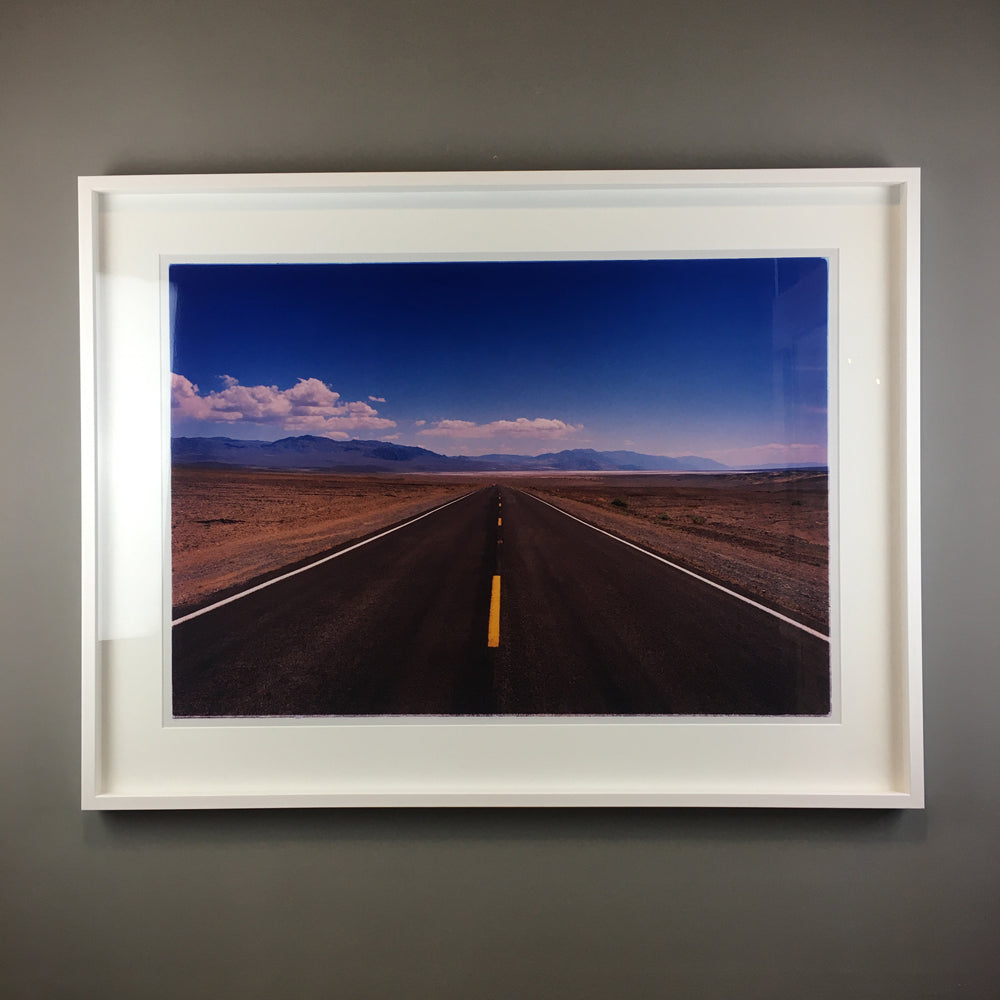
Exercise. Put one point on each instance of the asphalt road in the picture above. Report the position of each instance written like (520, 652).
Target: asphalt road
(495, 604)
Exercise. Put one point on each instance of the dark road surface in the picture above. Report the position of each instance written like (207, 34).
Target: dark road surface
(587, 625)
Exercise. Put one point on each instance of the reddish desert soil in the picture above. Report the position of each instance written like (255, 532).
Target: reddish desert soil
(763, 533)
(230, 526)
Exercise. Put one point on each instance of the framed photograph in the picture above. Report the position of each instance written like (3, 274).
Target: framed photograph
(533, 488)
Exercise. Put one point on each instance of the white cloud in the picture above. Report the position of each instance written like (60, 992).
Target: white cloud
(522, 427)
(308, 407)
(377, 399)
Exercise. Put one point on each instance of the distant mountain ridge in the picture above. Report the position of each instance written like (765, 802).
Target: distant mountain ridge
(310, 452)
(589, 460)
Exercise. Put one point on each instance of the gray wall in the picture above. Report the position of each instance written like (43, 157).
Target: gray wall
(531, 903)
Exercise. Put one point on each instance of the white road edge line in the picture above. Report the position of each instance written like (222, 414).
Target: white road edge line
(711, 583)
(319, 562)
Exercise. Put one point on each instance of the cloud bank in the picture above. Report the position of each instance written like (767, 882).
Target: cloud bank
(308, 407)
(772, 454)
(522, 427)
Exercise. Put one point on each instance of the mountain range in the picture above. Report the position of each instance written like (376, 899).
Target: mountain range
(310, 452)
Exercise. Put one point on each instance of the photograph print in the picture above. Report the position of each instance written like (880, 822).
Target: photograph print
(496, 488)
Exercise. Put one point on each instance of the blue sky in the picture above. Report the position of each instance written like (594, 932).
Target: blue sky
(721, 358)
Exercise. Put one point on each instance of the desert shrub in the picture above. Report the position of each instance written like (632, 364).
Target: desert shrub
(665, 517)
(698, 519)
(619, 502)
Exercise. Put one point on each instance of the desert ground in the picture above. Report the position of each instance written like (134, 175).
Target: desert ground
(230, 526)
(764, 534)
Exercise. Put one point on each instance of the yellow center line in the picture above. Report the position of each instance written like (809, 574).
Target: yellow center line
(493, 633)
(499, 521)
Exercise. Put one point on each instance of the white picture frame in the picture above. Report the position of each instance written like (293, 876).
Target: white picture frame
(866, 754)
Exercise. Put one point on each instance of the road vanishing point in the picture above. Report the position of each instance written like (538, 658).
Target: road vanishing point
(497, 603)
